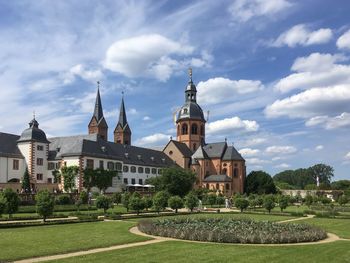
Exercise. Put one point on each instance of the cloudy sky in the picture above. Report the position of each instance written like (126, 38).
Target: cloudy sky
(274, 74)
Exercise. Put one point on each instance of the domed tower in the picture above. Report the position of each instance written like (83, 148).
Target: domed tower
(34, 146)
(190, 122)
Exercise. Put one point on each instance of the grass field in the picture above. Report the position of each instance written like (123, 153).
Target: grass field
(340, 227)
(16, 243)
(177, 251)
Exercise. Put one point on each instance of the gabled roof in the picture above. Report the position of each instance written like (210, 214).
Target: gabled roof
(182, 147)
(215, 150)
(200, 154)
(217, 178)
(232, 154)
(8, 145)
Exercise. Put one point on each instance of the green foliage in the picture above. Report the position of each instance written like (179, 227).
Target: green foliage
(323, 172)
(232, 230)
(44, 204)
(136, 203)
(341, 185)
(283, 202)
(284, 185)
(56, 176)
(100, 178)
(174, 180)
(211, 199)
(325, 200)
(2, 204)
(103, 202)
(63, 199)
(160, 200)
(176, 202)
(84, 197)
(125, 200)
(241, 203)
(191, 201)
(26, 181)
(309, 200)
(343, 200)
(117, 198)
(220, 200)
(310, 187)
(269, 203)
(259, 182)
(69, 174)
(148, 202)
(11, 200)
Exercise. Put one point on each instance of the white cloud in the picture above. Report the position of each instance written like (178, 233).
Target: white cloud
(280, 149)
(220, 89)
(249, 152)
(301, 35)
(157, 139)
(256, 161)
(329, 123)
(282, 166)
(315, 70)
(312, 102)
(319, 147)
(149, 56)
(80, 71)
(347, 156)
(343, 41)
(146, 118)
(244, 10)
(253, 142)
(227, 125)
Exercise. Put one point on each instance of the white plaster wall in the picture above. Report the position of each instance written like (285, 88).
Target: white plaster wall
(40, 154)
(129, 175)
(6, 169)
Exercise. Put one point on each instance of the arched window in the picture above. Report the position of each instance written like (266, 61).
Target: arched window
(178, 130)
(217, 187)
(235, 172)
(184, 128)
(224, 171)
(194, 146)
(227, 186)
(194, 129)
(202, 130)
(207, 186)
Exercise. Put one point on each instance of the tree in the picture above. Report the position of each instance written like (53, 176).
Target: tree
(88, 179)
(12, 201)
(125, 201)
(220, 200)
(283, 202)
(2, 204)
(84, 197)
(174, 180)
(343, 200)
(211, 199)
(148, 202)
(160, 200)
(44, 204)
(259, 182)
(117, 198)
(103, 179)
(325, 200)
(323, 172)
(69, 174)
(341, 185)
(241, 204)
(103, 202)
(136, 203)
(309, 200)
(269, 203)
(56, 176)
(310, 187)
(26, 181)
(176, 202)
(297, 179)
(191, 201)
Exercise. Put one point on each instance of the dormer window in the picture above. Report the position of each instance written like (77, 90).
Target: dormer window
(103, 149)
(139, 157)
(126, 155)
(152, 159)
(163, 160)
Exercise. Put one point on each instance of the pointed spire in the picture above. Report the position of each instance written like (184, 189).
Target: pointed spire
(122, 114)
(98, 112)
(190, 74)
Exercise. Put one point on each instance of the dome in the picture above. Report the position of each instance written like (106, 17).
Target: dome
(33, 133)
(191, 110)
(191, 86)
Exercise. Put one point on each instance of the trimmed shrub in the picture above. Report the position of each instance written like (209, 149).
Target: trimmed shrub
(232, 230)
(63, 200)
(176, 202)
(241, 204)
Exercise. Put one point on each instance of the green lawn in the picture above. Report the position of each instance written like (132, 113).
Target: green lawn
(16, 243)
(177, 251)
(340, 227)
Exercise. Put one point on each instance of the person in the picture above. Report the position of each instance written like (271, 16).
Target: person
(200, 204)
(89, 198)
(226, 203)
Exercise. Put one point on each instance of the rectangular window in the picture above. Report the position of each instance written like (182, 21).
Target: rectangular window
(140, 181)
(160, 171)
(140, 170)
(51, 166)
(133, 169)
(39, 177)
(57, 165)
(118, 167)
(154, 170)
(40, 147)
(133, 180)
(49, 180)
(15, 165)
(40, 161)
(126, 181)
(90, 164)
(110, 166)
(101, 165)
(147, 170)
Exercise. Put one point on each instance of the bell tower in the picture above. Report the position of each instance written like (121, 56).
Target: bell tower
(98, 123)
(190, 124)
(122, 132)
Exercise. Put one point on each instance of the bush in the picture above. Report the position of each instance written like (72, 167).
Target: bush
(125, 201)
(241, 204)
(191, 201)
(117, 198)
(160, 200)
(148, 202)
(103, 202)
(283, 202)
(63, 200)
(44, 204)
(232, 230)
(269, 203)
(176, 202)
(136, 203)
(84, 197)
(220, 200)
(2, 204)
(11, 201)
(211, 199)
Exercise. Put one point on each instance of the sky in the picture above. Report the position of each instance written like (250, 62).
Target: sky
(273, 74)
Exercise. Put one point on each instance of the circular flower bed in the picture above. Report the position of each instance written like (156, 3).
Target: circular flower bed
(232, 230)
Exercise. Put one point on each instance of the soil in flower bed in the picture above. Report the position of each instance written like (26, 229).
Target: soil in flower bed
(222, 230)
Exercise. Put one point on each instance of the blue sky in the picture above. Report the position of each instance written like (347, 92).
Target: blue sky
(274, 74)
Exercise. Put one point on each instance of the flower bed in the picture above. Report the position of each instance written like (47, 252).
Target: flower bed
(232, 230)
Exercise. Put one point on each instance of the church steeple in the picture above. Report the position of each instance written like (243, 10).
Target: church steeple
(98, 123)
(122, 132)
